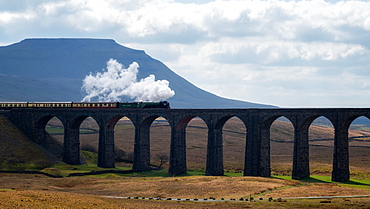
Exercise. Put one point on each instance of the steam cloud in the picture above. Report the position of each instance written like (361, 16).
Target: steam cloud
(115, 82)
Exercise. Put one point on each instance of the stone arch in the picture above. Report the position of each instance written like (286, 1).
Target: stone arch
(120, 141)
(349, 120)
(111, 123)
(71, 150)
(301, 158)
(321, 147)
(54, 137)
(142, 143)
(267, 122)
(184, 122)
(160, 142)
(233, 157)
(76, 122)
(147, 121)
(215, 162)
(265, 146)
(179, 145)
(281, 146)
(39, 130)
(221, 122)
(355, 139)
(307, 122)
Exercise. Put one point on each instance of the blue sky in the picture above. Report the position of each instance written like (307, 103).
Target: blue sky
(286, 53)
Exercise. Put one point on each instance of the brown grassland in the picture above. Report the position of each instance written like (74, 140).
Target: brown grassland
(38, 191)
(35, 191)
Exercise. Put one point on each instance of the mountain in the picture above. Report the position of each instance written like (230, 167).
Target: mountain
(53, 70)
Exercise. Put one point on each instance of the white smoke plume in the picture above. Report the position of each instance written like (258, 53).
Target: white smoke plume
(115, 81)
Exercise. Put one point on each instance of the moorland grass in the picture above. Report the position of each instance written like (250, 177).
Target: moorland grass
(60, 130)
(354, 183)
(54, 130)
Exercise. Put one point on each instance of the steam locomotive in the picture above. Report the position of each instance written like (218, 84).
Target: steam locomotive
(11, 105)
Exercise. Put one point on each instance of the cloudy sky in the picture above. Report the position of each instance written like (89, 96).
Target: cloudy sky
(287, 53)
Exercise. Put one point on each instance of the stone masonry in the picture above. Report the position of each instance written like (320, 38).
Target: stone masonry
(257, 123)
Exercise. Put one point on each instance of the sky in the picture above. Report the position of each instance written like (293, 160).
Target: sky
(311, 53)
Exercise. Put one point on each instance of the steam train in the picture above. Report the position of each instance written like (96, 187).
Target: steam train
(11, 105)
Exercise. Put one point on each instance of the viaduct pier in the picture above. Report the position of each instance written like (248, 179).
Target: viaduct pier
(257, 126)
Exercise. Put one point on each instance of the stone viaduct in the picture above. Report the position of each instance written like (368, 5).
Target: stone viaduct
(256, 121)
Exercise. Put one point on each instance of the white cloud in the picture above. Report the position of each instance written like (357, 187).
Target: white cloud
(263, 50)
(271, 51)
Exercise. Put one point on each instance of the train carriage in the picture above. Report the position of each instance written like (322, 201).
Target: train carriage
(48, 104)
(94, 104)
(11, 105)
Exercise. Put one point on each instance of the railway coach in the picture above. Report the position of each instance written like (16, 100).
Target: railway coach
(12, 105)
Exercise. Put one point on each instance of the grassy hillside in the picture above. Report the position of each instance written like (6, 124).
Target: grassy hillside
(17, 151)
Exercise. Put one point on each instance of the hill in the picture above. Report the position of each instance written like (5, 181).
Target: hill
(16, 149)
(53, 70)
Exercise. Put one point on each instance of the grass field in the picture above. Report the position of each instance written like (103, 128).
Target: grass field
(35, 191)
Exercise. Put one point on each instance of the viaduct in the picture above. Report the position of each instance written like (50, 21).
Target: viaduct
(257, 122)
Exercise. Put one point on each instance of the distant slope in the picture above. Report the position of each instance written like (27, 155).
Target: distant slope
(15, 88)
(53, 70)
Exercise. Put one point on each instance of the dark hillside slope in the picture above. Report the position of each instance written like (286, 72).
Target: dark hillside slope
(16, 148)
(62, 64)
